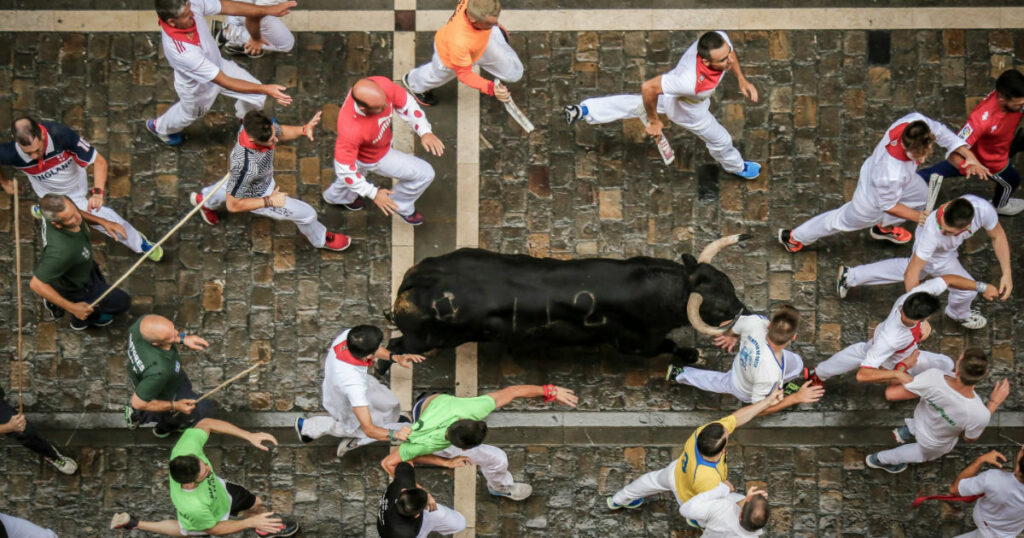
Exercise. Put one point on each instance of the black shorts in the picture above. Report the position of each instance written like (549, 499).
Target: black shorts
(241, 498)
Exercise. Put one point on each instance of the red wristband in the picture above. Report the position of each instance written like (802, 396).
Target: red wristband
(95, 190)
(901, 367)
(550, 392)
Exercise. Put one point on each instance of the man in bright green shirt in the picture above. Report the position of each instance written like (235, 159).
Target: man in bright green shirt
(67, 277)
(203, 500)
(449, 432)
(163, 392)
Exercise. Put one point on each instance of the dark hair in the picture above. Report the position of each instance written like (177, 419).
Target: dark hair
(51, 204)
(184, 469)
(755, 513)
(363, 340)
(1010, 84)
(711, 440)
(973, 366)
(466, 434)
(258, 125)
(25, 130)
(920, 305)
(169, 9)
(785, 322)
(707, 43)
(411, 502)
(958, 213)
(917, 136)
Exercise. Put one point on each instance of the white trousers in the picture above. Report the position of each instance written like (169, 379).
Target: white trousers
(384, 411)
(976, 533)
(892, 271)
(279, 38)
(499, 59)
(694, 117)
(913, 453)
(414, 175)
(297, 211)
(649, 484)
(444, 520)
(20, 528)
(133, 239)
(849, 359)
(725, 382)
(850, 218)
(195, 101)
(492, 461)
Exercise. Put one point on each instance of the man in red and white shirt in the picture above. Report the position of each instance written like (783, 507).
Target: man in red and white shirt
(683, 94)
(364, 145)
(989, 131)
(200, 73)
(888, 191)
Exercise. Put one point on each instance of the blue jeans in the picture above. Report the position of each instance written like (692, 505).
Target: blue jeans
(1007, 180)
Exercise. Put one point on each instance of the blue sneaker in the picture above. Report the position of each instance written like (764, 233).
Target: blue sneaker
(902, 435)
(693, 523)
(750, 170)
(872, 461)
(170, 140)
(155, 254)
(37, 213)
(635, 503)
(298, 430)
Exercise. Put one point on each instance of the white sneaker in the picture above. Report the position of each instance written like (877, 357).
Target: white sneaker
(974, 321)
(516, 491)
(1012, 207)
(346, 444)
(63, 463)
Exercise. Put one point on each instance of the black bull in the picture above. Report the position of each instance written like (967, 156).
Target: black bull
(473, 295)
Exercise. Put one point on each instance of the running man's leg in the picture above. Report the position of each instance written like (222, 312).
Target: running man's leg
(273, 30)
(413, 176)
(303, 215)
(492, 461)
(430, 75)
(709, 380)
(500, 59)
(193, 103)
(649, 484)
(703, 124)
(133, 239)
(843, 219)
(882, 272)
(915, 196)
(444, 521)
(847, 360)
(612, 107)
(911, 453)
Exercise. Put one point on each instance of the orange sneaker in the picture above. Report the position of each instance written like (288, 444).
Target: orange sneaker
(895, 234)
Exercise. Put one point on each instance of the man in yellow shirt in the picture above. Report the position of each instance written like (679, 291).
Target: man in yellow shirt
(471, 36)
(701, 467)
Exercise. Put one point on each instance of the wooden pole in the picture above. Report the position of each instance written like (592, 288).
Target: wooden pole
(17, 287)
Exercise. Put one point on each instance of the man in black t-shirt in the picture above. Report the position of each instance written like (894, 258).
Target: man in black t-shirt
(408, 511)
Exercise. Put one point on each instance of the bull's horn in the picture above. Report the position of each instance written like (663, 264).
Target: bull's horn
(709, 251)
(693, 313)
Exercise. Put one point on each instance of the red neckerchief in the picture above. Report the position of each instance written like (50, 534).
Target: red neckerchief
(707, 78)
(342, 353)
(938, 218)
(915, 331)
(188, 35)
(895, 146)
(948, 498)
(246, 142)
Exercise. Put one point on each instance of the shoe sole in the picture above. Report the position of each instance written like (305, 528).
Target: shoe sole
(165, 139)
(890, 239)
(405, 84)
(507, 496)
(79, 327)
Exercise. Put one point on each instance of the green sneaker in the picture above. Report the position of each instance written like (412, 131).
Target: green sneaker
(155, 254)
(130, 419)
(37, 213)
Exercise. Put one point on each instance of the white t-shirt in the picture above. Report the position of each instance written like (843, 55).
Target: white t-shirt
(893, 341)
(718, 512)
(756, 369)
(194, 65)
(930, 243)
(943, 414)
(1000, 513)
(345, 385)
(888, 171)
(690, 81)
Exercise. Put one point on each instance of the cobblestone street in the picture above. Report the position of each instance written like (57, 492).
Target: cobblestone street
(255, 289)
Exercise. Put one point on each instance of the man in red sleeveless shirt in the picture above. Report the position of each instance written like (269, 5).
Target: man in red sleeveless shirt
(364, 145)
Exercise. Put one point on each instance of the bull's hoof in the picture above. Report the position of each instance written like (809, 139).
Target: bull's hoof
(690, 356)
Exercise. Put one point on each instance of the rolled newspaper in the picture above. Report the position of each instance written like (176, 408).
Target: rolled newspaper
(664, 147)
(513, 110)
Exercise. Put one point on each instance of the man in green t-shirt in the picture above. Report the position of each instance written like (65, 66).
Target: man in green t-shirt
(204, 502)
(163, 392)
(449, 432)
(66, 276)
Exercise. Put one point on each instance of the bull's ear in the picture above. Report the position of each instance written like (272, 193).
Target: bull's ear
(689, 262)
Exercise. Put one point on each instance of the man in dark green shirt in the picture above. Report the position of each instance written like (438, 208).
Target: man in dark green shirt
(163, 392)
(66, 276)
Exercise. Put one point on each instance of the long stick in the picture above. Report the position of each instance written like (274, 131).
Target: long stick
(17, 285)
(934, 184)
(1014, 441)
(515, 112)
(228, 382)
(145, 255)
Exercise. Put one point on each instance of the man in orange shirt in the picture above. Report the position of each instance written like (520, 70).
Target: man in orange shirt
(472, 36)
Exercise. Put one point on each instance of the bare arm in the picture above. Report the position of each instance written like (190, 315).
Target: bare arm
(650, 90)
(744, 415)
(879, 375)
(898, 393)
(746, 87)
(807, 394)
(242, 9)
(99, 172)
(162, 406)
(376, 432)
(1002, 248)
(912, 276)
(993, 457)
(507, 394)
(212, 425)
(904, 212)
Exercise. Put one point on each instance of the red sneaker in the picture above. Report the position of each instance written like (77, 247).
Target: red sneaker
(815, 380)
(787, 241)
(208, 215)
(895, 234)
(415, 219)
(337, 242)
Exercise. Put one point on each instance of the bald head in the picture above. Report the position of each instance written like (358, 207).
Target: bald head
(158, 330)
(369, 96)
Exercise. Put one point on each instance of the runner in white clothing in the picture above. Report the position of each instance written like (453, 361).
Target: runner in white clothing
(762, 364)
(200, 73)
(1000, 512)
(892, 352)
(889, 190)
(935, 254)
(948, 407)
(362, 410)
(683, 94)
(723, 513)
(253, 36)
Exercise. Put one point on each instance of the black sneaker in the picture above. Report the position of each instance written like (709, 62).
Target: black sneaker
(673, 372)
(426, 98)
(842, 287)
(787, 241)
(78, 325)
(55, 311)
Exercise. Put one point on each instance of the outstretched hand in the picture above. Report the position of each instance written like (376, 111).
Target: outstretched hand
(258, 438)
